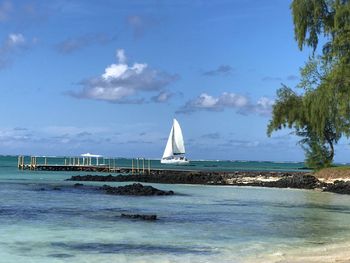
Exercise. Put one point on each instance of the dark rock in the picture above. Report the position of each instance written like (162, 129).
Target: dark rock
(183, 177)
(134, 189)
(140, 216)
(77, 185)
(302, 181)
(339, 187)
(56, 188)
(299, 181)
(170, 177)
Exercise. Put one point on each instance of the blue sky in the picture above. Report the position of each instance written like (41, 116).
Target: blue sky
(107, 77)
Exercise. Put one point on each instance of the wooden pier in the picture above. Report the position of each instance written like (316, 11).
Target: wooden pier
(75, 164)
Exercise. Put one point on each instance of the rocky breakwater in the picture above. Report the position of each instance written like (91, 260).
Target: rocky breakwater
(134, 189)
(297, 180)
(338, 186)
(193, 177)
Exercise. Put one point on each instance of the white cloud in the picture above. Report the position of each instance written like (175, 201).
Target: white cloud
(233, 100)
(13, 44)
(122, 70)
(115, 71)
(205, 101)
(122, 83)
(240, 103)
(163, 96)
(16, 39)
(121, 56)
(264, 106)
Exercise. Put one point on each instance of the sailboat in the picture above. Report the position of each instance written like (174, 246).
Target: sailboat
(175, 148)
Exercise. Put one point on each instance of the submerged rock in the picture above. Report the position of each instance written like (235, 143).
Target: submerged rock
(140, 216)
(134, 189)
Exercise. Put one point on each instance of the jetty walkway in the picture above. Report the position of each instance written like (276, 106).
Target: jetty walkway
(76, 164)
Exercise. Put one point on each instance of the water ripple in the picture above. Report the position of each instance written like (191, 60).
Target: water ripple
(130, 248)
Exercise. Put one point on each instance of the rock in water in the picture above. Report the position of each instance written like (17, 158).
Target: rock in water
(139, 216)
(135, 189)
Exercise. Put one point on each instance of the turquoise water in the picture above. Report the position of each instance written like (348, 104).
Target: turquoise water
(199, 224)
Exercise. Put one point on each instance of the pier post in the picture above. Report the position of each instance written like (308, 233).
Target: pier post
(132, 166)
(19, 161)
(22, 162)
(143, 165)
(32, 163)
(45, 160)
(138, 169)
(149, 166)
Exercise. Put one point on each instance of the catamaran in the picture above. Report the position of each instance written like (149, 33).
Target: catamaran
(175, 148)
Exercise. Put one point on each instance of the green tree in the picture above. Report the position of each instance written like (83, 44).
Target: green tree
(292, 111)
(321, 113)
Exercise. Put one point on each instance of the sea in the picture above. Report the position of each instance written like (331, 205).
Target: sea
(43, 218)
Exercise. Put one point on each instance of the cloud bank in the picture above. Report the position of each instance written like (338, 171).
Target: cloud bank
(241, 104)
(123, 83)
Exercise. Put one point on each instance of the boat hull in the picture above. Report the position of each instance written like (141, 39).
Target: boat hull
(174, 161)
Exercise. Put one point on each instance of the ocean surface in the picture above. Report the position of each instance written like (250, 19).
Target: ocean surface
(43, 218)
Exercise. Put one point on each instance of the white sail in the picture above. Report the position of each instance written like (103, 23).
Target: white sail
(178, 140)
(168, 151)
(175, 147)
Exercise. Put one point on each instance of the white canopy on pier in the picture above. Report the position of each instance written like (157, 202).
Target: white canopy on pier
(90, 155)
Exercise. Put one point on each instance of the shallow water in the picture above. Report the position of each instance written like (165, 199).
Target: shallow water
(45, 219)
